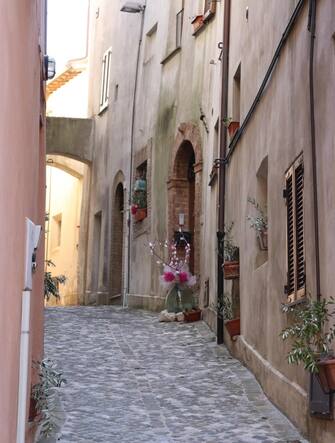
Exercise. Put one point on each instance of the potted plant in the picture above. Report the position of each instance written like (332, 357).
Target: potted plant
(225, 309)
(312, 332)
(139, 200)
(231, 125)
(259, 222)
(51, 283)
(231, 266)
(48, 412)
(176, 277)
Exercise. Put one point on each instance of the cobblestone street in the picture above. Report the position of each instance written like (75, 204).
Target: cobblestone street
(132, 379)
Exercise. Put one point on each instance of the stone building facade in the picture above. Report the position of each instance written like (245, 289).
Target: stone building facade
(155, 94)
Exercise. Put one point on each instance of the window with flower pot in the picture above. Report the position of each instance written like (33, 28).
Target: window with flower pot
(294, 196)
(139, 199)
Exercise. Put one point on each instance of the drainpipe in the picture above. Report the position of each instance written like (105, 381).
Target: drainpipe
(222, 172)
(311, 28)
(125, 295)
(24, 368)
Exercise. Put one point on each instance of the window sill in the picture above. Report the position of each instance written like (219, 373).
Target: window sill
(171, 55)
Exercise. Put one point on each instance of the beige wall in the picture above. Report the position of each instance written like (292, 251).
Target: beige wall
(21, 189)
(63, 204)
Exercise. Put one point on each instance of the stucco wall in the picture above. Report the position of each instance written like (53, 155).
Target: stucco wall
(279, 129)
(21, 190)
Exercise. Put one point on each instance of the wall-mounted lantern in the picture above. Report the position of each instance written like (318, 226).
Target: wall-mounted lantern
(49, 67)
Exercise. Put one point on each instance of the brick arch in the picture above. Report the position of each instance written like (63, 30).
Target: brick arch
(118, 204)
(184, 192)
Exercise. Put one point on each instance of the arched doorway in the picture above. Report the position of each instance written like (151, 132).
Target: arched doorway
(116, 267)
(184, 189)
(185, 197)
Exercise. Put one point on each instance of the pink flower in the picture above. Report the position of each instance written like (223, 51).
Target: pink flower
(168, 276)
(134, 209)
(183, 277)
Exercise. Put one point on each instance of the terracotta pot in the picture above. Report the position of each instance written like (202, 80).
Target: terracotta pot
(326, 375)
(231, 270)
(233, 327)
(32, 409)
(140, 214)
(197, 22)
(194, 315)
(232, 128)
(262, 237)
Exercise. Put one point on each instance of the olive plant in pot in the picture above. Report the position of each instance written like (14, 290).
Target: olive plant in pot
(312, 332)
(231, 266)
(225, 310)
(259, 222)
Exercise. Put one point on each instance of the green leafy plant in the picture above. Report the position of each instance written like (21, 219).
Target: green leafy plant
(227, 121)
(224, 307)
(310, 331)
(46, 397)
(259, 222)
(230, 251)
(51, 283)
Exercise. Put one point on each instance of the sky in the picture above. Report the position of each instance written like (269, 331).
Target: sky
(67, 26)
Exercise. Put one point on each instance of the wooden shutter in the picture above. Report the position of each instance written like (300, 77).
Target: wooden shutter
(295, 288)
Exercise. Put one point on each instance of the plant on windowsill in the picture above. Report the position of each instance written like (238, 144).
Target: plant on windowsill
(51, 283)
(225, 311)
(47, 413)
(259, 223)
(231, 265)
(176, 277)
(312, 332)
(139, 200)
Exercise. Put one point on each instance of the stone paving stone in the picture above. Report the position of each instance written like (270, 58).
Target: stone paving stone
(131, 379)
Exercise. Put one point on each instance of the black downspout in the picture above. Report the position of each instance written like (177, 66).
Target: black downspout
(222, 173)
(311, 28)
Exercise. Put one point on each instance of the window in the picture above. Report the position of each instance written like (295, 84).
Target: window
(294, 194)
(237, 95)
(57, 231)
(105, 75)
(179, 27)
(209, 9)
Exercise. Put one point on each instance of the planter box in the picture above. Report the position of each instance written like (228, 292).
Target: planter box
(140, 214)
(326, 375)
(233, 327)
(194, 315)
(231, 270)
(262, 237)
(197, 22)
(232, 128)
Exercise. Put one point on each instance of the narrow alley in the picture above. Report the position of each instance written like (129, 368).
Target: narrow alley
(133, 379)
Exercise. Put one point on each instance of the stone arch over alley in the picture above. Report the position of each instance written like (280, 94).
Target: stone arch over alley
(118, 231)
(184, 187)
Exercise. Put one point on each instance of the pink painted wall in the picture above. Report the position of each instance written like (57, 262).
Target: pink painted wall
(22, 171)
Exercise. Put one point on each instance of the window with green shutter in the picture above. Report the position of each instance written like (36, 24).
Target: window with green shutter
(294, 194)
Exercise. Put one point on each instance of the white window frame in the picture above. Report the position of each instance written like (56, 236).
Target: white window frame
(105, 78)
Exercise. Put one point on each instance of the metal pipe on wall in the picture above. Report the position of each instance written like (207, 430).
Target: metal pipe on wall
(222, 171)
(126, 292)
(311, 28)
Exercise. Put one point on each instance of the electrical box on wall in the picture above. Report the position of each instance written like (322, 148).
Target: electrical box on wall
(33, 233)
